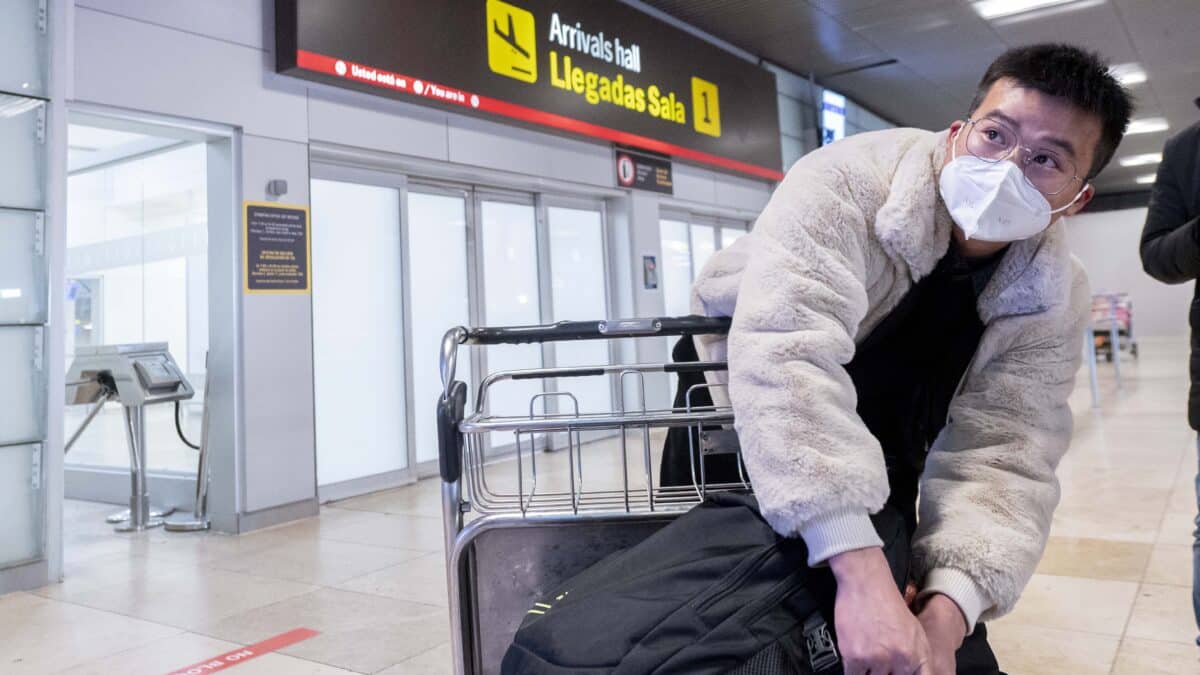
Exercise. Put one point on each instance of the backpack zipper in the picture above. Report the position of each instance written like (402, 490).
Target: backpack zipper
(729, 585)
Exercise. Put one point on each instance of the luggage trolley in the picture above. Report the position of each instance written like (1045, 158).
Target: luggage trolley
(513, 535)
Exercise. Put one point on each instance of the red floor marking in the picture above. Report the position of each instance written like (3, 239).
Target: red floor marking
(246, 653)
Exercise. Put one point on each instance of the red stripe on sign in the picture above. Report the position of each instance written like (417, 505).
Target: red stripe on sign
(357, 72)
(232, 658)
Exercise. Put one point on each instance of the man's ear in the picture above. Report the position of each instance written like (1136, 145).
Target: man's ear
(952, 137)
(1084, 198)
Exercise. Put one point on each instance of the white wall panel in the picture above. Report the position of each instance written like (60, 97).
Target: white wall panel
(362, 122)
(136, 65)
(741, 193)
(694, 184)
(239, 21)
(277, 376)
(1107, 243)
(497, 146)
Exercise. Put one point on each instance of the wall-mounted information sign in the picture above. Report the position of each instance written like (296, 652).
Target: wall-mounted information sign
(277, 248)
(598, 69)
(644, 172)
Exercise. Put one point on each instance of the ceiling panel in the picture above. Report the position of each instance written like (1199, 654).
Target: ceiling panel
(1094, 27)
(1166, 33)
(890, 89)
(839, 7)
(959, 77)
(942, 47)
(740, 21)
(898, 10)
(952, 29)
(794, 34)
(825, 48)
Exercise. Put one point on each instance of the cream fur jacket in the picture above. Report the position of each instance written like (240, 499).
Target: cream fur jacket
(844, 237)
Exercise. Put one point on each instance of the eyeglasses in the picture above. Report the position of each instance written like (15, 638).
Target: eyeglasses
(1047, 170)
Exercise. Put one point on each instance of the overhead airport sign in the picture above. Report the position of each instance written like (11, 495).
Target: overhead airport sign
(598, 69)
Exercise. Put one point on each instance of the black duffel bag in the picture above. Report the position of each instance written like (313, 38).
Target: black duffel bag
(714, 592)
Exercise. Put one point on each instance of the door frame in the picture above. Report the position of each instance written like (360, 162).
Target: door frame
(408, 474)
(110, 484)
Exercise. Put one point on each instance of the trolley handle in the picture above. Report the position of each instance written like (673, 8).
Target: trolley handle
(597, 330)
(571, 330)
(450, 410)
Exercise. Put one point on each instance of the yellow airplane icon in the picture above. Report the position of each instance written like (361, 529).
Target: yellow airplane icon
(512, 41)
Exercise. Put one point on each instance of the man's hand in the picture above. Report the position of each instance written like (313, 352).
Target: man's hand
(876, 632)
(945, 629)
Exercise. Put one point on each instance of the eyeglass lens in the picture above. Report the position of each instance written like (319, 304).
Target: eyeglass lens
(1045, 169)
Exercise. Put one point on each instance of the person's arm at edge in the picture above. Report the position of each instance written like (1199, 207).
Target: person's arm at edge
(1170, 246)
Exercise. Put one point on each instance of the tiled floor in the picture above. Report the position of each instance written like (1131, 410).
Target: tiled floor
(1112, 594)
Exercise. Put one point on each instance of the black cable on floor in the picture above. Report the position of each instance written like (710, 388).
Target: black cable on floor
(179, 430)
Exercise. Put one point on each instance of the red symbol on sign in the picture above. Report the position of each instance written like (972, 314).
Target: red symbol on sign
(625, 170)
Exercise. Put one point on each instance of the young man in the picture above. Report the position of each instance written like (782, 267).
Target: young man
(906, 316)
(1171, 253)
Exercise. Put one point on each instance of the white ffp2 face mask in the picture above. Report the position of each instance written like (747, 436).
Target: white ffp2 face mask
(992, 201)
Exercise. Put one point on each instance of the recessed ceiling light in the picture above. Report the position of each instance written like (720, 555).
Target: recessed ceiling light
(994, 9)
(1141, 160)
(1128, 73)
(1147, 125)
(1145, 179)
(10, 293)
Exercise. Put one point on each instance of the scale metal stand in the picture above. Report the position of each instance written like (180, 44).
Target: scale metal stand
(135, 375)
(198, 519)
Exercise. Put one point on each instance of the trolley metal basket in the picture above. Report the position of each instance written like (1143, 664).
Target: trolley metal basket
(513, 534)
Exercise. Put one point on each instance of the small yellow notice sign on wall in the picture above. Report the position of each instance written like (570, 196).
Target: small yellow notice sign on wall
(276, 241)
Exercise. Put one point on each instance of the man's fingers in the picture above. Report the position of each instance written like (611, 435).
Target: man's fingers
(855, 667)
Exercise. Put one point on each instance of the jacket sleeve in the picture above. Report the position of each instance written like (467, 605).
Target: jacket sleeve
(989, 488)
(817, 471)
(1171, 240)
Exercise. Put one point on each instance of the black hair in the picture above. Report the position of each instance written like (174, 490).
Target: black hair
(1068, 72)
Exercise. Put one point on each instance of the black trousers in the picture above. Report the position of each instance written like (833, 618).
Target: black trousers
(975, 656)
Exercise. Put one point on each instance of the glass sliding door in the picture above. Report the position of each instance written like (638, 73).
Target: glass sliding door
(704, 245)
(730, 234)
(358, 331)
(509, 286)
(427, 256)
(437, 262)
(578, 292)
(687, 244)
(675, 268)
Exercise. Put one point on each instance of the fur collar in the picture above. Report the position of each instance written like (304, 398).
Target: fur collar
(914, 228)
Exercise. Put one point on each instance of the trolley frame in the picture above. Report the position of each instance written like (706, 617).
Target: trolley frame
(522, 542)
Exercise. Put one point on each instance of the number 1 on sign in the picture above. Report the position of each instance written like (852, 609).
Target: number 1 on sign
(706, 102)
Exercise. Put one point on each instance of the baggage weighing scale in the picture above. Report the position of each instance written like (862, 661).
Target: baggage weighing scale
(135, 375)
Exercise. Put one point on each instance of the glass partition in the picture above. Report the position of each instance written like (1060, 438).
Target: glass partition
(24, 47)
(137, 271)
(23, 384)
(22, 268)
(21, 480)
(23, 143)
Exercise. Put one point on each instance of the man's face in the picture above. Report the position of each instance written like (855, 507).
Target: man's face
(1045, 127)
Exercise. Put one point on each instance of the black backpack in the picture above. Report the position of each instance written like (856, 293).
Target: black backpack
(716, 591)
